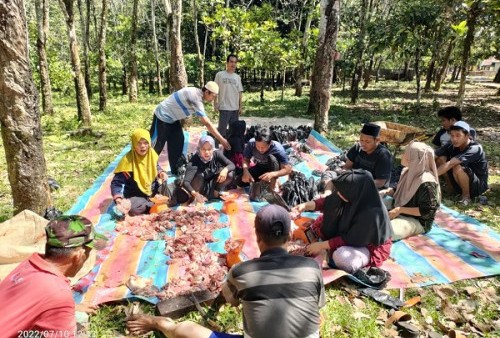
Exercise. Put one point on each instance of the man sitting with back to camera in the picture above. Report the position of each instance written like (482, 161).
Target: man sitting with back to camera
(280, 294)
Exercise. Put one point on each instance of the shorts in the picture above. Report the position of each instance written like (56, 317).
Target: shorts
(216, 334)
(476, 186)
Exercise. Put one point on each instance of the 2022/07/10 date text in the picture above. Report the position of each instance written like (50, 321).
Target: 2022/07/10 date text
(51, 334)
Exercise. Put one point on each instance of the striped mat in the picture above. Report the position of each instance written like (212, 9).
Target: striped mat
(458, 247)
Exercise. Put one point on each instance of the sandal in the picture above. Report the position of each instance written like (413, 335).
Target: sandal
(407, 330)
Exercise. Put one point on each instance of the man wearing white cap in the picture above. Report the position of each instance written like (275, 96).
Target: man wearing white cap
(463, 164)
(166, 126)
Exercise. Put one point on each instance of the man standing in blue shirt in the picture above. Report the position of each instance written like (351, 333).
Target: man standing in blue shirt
(166, 126)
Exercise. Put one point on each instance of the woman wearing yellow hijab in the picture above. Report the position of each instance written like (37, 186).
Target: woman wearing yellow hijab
(137, 173)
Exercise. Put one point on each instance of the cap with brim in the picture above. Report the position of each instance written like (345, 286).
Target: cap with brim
(273, 219)
(73, 231)
(371, 129)
(462, 125)
(213, 87)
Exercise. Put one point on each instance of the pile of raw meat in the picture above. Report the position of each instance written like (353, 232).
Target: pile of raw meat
(198, 268)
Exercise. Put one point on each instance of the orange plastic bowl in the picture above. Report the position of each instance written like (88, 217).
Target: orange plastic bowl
(303, 222)
(158, 208)
(230, 208)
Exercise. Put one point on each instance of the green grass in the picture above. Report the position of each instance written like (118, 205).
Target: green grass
(76, 161)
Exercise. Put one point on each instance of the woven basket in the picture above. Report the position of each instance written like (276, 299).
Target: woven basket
(398, 134)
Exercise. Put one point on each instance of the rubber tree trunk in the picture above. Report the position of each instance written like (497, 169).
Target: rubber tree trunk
(358, 68)
(472, 15)
(201, 60)
(132, 78)
(155, 46)
(20, 114)
(368, 72)
(497, 77)
(300, 70)
(430, 69)
(42, 23)
(178, 75)
(444, 68)
(82, 100)
(418, 52)
(84, 23)
(103, 95)
(319, 102)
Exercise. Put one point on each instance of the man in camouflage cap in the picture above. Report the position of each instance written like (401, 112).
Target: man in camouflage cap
(36, 297)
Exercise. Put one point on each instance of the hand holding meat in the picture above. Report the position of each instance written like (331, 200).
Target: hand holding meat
(315, 249)
(267, 176)
(123, 205)
(222, 175)
(247, 177)
(199, 198)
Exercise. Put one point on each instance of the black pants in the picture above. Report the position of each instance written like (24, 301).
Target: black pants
(139, 206)
(204, 187)
(258, 170)
(172, 134)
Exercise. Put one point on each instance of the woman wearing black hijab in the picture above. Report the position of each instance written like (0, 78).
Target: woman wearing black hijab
(355, 225)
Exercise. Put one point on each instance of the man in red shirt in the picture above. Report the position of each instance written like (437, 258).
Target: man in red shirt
(36, 298)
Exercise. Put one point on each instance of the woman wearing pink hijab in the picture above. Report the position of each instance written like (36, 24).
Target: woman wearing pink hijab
(417, 195)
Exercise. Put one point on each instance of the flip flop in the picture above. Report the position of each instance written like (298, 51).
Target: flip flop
(407, 330)
(398, 316)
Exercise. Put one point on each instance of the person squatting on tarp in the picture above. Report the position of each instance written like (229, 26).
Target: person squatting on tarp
(463, 164)
(355, 225)
(166, 126)
(137, 175)
(281, 294)
(269, 157)
(207, 173)
(417, 195)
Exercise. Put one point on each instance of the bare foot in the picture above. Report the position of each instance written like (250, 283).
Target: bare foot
(140, 324)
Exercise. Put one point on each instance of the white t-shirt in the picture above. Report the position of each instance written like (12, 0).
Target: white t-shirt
(180, 105)
(229, 90)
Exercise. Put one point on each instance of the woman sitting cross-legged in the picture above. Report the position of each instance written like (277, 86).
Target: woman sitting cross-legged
(417, 195)
(355, 226)
(136, 175)
(207, 173)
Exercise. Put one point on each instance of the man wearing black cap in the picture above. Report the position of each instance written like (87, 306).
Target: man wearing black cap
(36, 296)
(281, 294)
(370, 155)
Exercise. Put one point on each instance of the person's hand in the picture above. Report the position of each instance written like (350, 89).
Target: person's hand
(297, 210)
(315, 249)
(163, 176)
(240, 111)
(247, 177)
(222, 175)
(87, 308)
(267, 176)
(383, 192)
(394, 213)
(199, 198)
(225, 144)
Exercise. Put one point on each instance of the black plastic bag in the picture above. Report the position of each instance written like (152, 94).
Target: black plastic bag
(52, 213)
(373, 276)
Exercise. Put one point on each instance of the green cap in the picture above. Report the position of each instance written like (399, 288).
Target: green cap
(73, 231)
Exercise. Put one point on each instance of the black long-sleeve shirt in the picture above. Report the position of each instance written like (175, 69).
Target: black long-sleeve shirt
(209, 170)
